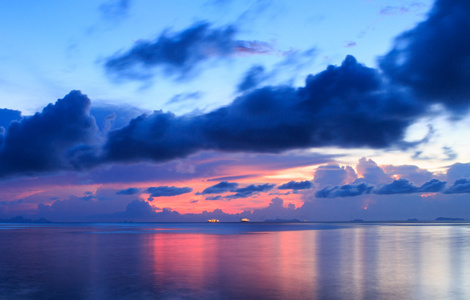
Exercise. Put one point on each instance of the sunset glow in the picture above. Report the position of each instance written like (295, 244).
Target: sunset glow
(138, 111)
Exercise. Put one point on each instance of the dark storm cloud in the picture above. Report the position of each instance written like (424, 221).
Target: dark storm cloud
(159, 137)
(347, 106)
(7, 116)
(54, 139)
(253, 77)
(250, 190)
(180, 53)
(220, 188)
(460, 186)
(129, 191)
(343, 106)
(296, 185)
(433, 58)
(167, 191)
(176, 53)
(348, 190)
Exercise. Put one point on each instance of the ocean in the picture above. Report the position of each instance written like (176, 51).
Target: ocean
(235, 261)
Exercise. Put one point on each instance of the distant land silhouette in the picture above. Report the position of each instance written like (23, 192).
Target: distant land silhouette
(21, 219)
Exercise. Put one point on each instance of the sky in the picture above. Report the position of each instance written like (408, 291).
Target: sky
(125, 110)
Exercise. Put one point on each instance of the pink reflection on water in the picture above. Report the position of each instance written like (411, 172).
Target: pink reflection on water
(256, 264)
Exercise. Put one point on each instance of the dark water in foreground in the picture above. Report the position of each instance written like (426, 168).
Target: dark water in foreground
(235, 261)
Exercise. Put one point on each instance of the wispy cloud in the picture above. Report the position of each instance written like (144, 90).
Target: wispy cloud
(180, 53)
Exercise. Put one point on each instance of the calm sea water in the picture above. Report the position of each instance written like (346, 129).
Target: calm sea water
(235, 261)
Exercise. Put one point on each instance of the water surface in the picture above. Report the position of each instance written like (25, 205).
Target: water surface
(235, 261)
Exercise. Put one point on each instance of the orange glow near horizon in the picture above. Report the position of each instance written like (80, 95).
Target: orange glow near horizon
(256, 175)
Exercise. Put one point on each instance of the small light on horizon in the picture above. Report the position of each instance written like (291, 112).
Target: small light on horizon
(427, 195)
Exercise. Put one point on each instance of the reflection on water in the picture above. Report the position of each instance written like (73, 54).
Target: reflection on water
(235, 261)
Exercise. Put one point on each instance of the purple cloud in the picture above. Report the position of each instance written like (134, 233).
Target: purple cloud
(129, 191)
(460, 186)
(349, 190)
(167, 191)
(296, 185)
(250, 190)
(220, 188)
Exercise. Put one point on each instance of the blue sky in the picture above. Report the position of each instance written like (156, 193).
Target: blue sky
(362, 105)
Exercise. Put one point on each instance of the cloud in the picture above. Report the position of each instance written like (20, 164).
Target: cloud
(342, 106)
(167, 191)
(458, 171)
(296, 185)
(413, 173)
(394, 10)
(432, 186)
(214, 198)
(253, 77)
(404, 186)
(7, 116)
(184, 97)
(331, 174)
(460, 186)
(60, 137)
(84, 208)
(137, 209)
(253, 47)
(220, 188)
(371, 172)
(129, 191)
(276, 210)
(420, 60)
(400, 186)
(345, 106)
(250, 190)
(350, 44)
(111, 117)
(449, 153)
(349, 190)
(115, 9)
(399, 10)
(176, 53)
(236, 177)
(181, 52)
